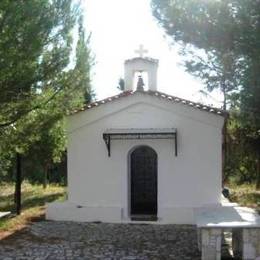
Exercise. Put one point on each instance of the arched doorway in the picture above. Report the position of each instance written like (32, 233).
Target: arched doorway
(143, 169)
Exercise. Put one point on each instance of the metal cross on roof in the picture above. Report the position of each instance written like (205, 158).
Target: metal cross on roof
(141, 51)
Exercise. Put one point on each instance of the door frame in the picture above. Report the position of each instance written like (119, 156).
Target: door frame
(129, 176)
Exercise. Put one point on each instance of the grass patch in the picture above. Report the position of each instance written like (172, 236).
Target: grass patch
(245, 195)
(34, 198)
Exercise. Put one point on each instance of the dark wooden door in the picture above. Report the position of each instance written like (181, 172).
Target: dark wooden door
(143, 181)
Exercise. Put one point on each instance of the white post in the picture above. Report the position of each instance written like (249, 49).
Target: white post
(251, 244)
(211, 243)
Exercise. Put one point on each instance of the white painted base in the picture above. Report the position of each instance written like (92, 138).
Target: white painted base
(68, 211)
(176, 215)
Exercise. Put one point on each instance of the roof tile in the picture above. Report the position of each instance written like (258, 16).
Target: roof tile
(157, 94)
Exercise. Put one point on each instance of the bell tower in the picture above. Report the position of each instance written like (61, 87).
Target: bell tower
(141, 64)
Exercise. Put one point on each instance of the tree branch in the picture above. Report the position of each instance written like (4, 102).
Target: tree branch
(18, 117)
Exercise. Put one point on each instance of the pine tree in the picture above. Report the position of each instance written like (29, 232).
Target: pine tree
(38, 85)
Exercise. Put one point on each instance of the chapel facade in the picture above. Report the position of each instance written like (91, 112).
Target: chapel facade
(142, 155)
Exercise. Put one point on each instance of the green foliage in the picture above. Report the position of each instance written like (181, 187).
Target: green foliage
(84, 61)
(38, 85)
(205, 31)
(241, 167)
(246, 195)
(34, 50)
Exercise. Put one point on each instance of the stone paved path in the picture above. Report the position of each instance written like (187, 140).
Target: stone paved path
(67, 240)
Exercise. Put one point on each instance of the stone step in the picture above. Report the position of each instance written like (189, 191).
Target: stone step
(143, 217)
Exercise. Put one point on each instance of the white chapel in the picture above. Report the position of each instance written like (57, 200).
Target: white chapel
(142, 155)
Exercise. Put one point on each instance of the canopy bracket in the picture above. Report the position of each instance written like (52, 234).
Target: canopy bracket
(137, 134)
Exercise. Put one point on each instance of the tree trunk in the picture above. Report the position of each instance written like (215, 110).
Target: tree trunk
(258, 174)
(18, 183)
(224, 151)
(45, 180)
(224, 134)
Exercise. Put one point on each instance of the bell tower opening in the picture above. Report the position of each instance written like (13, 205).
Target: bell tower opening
(140, 81)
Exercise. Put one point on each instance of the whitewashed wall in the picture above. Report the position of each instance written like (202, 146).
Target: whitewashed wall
(100, 183)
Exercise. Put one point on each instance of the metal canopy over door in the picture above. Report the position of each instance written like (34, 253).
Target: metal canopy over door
(143, 182)
(139, 133)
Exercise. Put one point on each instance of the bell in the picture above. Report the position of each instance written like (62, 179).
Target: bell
(140, 84)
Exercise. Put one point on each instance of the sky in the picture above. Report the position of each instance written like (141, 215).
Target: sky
(118, 27)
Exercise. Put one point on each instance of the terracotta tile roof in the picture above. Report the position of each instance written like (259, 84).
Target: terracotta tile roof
(157, 94)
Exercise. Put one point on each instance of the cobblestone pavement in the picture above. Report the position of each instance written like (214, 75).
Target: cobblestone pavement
(68, 240)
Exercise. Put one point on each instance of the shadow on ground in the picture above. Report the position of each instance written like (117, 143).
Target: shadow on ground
(30, 200)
